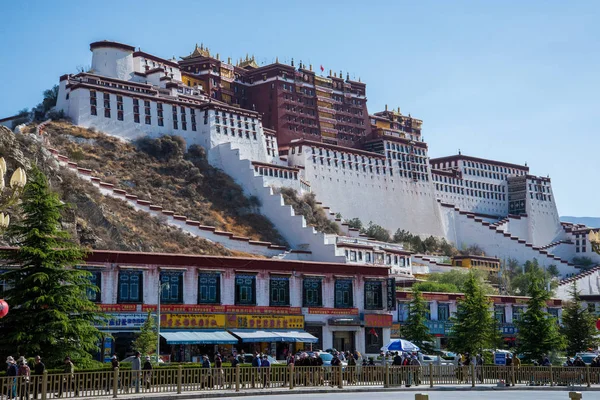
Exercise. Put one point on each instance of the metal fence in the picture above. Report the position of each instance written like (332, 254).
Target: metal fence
(179, 380)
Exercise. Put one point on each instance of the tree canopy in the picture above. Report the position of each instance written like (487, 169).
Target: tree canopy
(538, 332)
(578, 324)
(51, 314)
(473, 326)
(415, 328)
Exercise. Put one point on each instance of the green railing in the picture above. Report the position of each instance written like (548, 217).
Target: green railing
(179, 380)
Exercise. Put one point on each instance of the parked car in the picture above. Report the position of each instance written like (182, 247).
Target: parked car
(427, 359)
(327, 357)
(248, 359)
(586, 357)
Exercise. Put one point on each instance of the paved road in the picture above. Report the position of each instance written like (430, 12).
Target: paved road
(438, 395)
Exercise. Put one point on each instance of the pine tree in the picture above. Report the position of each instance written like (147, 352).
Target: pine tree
(474, 328)
(579, 325)
(145, 341)
(538, 331)
(50, 314)
(415, 329)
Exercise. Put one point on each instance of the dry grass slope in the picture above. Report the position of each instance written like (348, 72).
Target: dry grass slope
(165, 175)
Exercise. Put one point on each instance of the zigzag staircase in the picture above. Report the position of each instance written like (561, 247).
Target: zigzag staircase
(210, 233)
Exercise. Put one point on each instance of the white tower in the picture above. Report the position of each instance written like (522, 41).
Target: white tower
(112, 59)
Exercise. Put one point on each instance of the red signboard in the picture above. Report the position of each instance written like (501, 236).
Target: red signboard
(378, 320)
(333, 311)
(117, 307)
(191, 308)
(200, 308)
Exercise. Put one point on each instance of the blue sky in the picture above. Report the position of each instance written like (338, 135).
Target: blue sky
(506, 80)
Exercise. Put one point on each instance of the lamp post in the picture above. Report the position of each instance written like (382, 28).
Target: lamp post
(9, 195)
(160, 288)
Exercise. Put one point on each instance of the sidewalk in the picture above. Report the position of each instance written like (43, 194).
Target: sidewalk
(206, 394)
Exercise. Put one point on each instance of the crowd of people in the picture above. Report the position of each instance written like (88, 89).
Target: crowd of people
(20, 368)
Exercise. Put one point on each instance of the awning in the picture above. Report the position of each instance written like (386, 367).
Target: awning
(249, 336)
(199, 337)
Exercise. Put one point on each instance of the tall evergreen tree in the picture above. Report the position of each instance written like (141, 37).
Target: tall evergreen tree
(51, 314)
(474, 328)
(538, 331)
(145, 341)
(579, 325)
(415, 329)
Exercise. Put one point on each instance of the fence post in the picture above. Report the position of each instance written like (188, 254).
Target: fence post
(512, 373)
(115, 382)
(292, 374)
(587, 376)
(431, 375)
(237, 378)
(551, 376)
(339, 372)
(44, 385)
(472, 374)
(179, 378)
(386, 376)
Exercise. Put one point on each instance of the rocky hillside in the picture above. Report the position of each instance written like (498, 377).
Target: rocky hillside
(162, 172)
(96, 221)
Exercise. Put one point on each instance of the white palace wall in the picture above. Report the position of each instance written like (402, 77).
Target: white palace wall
(393, 202)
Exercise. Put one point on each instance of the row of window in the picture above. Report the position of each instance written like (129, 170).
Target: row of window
(443, 312)
(376, 258)
(130, 290)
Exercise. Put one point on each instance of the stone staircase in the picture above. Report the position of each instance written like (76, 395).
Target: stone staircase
(494, 241)
(194, 228)
(292, 227)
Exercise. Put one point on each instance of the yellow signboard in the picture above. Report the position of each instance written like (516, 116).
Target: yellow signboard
(192, 321)
(243, 321)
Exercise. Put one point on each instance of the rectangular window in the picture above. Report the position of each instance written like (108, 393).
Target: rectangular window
(343, 293)
(245, 289)
(148, 120)
(517, 313)
(130, 287)
(107, 112)
(403, 309)
(93, 110)
(373, 295)
(171, 287)
(443, 312)
(499, 314)
(209, 288)
(120, 115)
(279, 291)
(95, 280)
(312, 292)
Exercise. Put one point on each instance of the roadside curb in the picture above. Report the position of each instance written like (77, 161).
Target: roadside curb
(246, 393)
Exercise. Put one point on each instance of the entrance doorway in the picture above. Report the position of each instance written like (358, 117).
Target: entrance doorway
(343, 341)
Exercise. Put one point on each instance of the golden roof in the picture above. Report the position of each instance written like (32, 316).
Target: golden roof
(248, 62)
(199, 52)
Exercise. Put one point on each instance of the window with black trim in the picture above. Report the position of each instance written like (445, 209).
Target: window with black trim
(312, 292)
(343, 293)
(279, 291)
(245, 289)
(95, 280)
(130, 287)
(209, 288)
(373, 295)
(171, 287)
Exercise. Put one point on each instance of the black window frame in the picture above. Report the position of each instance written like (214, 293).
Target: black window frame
(216, 285)
(175, 286)
(95, 296)
(279, 291)
(308, 285)
(343, 286)
(373, 300)
(130, 273)
(238, 289)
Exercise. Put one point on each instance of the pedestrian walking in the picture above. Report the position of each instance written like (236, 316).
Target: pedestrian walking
(114, 364)
(24, 373)
(218, 371)
(147, 372)
(265, 369)
(11, 372)
(206, 372)
(68, 382)
(136, 370)
(38, 372)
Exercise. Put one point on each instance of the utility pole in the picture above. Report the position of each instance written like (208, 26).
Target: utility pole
(160, 287)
